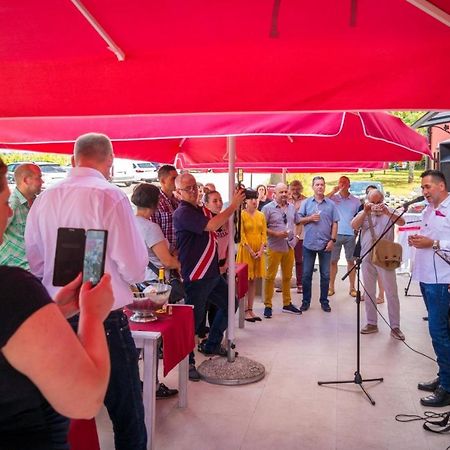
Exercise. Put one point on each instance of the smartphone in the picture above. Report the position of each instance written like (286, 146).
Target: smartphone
(94, 255)
(70, 243)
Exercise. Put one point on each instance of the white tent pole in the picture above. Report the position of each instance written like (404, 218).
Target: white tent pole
(231, 150)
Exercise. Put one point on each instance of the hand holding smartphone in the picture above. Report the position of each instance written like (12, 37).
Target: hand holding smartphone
(78, 251)
(94, 256)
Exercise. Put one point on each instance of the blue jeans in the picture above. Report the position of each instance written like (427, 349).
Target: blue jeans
(437, 301)
(198, 293)
(309, 256)
(124, 395)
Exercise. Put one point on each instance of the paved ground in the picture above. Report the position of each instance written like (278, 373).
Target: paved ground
(287, 409)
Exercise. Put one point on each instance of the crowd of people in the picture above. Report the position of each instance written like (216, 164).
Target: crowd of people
(181, 226)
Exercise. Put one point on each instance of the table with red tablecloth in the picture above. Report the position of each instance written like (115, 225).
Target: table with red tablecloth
(241, 281)
(177, 333)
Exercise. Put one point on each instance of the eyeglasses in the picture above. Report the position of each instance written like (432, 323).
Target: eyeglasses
(190, 189)
(284, 218)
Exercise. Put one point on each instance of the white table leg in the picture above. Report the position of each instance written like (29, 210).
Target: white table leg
(149, 396)
(241, 312)
(183, 374)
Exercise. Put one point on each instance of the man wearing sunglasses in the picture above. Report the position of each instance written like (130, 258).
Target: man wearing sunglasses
(280, 217)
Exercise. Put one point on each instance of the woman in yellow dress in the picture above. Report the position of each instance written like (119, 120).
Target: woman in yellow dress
(251, 250)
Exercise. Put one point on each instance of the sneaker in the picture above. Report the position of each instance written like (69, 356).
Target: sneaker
(164, 392)
(267, 312)
(193, 374)
(291, 309)
(326, 307)
(369, 329)
(304, 307)
(396, 333)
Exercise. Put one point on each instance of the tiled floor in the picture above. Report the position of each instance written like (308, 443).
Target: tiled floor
(287, 409)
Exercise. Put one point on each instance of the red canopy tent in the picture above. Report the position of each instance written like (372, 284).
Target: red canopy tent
(221, 56)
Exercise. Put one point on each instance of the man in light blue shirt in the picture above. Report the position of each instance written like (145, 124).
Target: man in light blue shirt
(348, 206)
(320, 218)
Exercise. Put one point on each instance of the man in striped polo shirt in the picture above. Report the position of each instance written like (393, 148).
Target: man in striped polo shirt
(195, 229)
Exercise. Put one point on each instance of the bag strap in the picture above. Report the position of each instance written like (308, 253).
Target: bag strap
(155, 269)
(372, 231)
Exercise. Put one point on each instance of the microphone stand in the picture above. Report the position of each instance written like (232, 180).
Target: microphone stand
(358, 379)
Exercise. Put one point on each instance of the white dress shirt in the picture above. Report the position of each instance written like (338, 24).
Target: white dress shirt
(85, 199)
(429, 267)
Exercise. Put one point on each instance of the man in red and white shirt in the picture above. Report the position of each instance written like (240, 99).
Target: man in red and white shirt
(195, 227)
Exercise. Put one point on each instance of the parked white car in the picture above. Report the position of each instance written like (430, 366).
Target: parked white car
(122, 172)
(144, 171)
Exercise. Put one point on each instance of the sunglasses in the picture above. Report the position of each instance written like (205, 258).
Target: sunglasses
(284, 218)
(192, 188)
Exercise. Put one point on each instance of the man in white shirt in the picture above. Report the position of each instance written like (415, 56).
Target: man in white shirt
(85, 199)
(432, 243)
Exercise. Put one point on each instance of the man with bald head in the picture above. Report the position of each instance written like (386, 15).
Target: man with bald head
(195, 228)
(28, 179)
(87, 200)
(377, 213)
(281, 240)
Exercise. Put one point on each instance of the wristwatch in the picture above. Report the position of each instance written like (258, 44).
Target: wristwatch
(332, 239)
(436, 245)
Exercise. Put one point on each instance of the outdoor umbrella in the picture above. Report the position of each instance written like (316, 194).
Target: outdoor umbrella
(269, 139)
(141, 57)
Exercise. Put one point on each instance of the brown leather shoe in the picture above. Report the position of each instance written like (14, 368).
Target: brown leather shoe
(369, 329)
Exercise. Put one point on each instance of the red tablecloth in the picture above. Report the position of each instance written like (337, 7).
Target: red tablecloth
(241, 279)
(83, 435)
(177, 332)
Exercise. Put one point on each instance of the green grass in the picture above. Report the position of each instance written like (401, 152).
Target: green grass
(394, 182)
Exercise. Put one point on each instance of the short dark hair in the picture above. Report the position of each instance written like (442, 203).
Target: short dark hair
(145, 195)
(371, 186)
(317, 178)
(164, 170)
(437, 176)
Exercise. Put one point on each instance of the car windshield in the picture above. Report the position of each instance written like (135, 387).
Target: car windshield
(145, 165)
(50, 169)
(359, 187)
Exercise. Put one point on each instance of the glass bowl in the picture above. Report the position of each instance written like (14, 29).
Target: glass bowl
(145, 303)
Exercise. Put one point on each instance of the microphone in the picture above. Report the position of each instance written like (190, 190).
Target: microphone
(406, 205)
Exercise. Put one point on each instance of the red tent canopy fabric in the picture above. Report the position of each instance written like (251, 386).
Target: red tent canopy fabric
(221, 56)
(285, 140)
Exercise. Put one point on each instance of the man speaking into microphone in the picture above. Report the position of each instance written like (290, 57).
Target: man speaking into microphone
(433, 273)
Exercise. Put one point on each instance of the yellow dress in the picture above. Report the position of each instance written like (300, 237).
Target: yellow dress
(253, 234)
